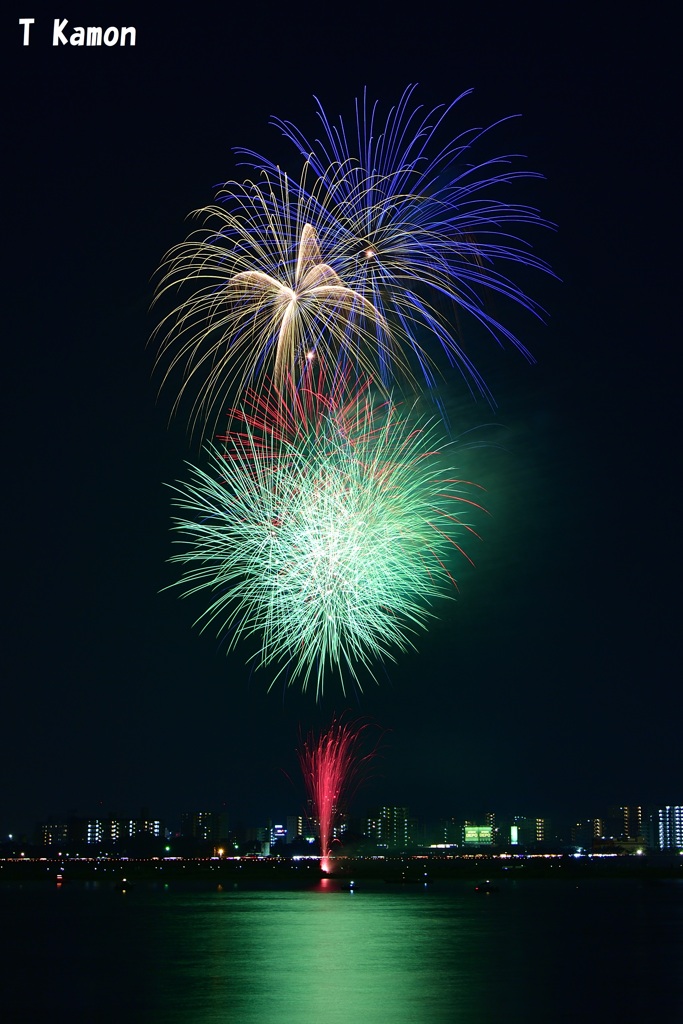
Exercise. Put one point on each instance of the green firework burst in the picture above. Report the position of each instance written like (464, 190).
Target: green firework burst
(324, 528)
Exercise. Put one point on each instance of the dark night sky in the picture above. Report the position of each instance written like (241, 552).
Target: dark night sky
(550, 686)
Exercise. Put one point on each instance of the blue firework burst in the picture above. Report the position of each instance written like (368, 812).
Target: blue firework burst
(422, 230)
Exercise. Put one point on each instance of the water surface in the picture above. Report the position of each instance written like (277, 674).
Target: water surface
(536, 952)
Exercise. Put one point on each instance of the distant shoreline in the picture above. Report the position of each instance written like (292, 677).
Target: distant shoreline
(393, 870)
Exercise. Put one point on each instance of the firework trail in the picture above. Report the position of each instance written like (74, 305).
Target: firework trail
(327, 527)
(330, 764)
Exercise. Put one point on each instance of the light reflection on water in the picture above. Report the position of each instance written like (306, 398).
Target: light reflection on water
(334, 956)
(317, 955)
(530, 953)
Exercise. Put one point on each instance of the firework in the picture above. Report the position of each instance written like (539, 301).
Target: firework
(330, 764)
(369, 258)
(326, 528)
(264, 298)
(421, 228)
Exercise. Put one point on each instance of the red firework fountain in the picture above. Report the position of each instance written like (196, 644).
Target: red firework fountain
(330, 765)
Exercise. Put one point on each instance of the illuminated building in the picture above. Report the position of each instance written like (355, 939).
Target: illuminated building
(621, 831)
(581, 834)
(63, 835)
(309, 827)
(295, 827)
(144, 827)
(278, 834)
(624, 822)
(449, 832)
(258, 837)
(53, 834)
(477, 835)
(211, 826)
(94, 831)
(528, 831)
(389, 827)
(670, 828)
(631, 822)
(115, 830)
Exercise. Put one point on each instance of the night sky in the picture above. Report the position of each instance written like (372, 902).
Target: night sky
(552, 684)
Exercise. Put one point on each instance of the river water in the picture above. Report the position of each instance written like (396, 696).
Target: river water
(535, 952)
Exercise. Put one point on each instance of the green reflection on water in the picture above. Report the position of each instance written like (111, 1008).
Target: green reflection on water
(323, 955)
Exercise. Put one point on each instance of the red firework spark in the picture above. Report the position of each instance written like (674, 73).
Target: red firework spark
(300, 411)
(269, 424)
(331, 764)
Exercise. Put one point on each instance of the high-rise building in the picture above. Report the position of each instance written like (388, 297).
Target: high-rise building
(53, 834)
(670, 828)
(144, 827)
(581, 834)
(632, 821)
(278, 834)
(621, 831)
(389, 827)
(111, 831)
(295, 827)
(525, 831)
(449, 832)
(106, 833)
(117, 830)
(94, 831)
(259, 835)
(623, 822)
(211, 826)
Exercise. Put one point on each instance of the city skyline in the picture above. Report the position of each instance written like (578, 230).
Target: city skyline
(654, 825)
